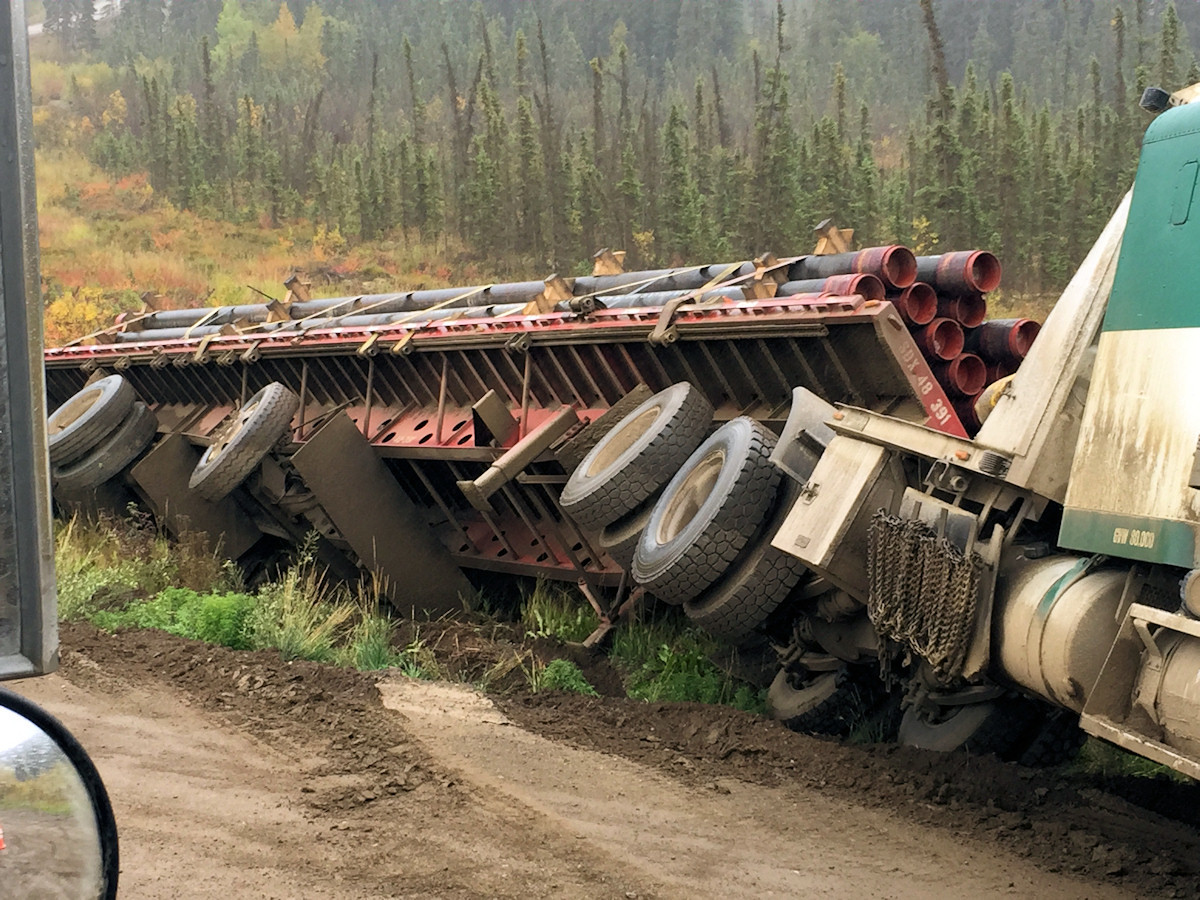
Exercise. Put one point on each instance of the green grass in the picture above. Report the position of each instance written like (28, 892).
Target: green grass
(663, 658)
(212, 618)
(123, 574)
(551, 610)
(562, 675)
(1099, 758)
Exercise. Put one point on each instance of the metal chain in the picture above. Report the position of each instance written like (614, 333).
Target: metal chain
(924, 592)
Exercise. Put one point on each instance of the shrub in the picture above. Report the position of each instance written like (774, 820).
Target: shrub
(564, 675)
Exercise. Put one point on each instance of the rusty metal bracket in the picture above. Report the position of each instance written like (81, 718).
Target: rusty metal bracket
(404, 346)
(252, 354)
(518, 343)
(522, 453)
(491, 420)
(582, 306)
(609, 619)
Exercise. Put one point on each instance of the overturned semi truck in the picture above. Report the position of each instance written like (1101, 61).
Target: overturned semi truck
(798, 451)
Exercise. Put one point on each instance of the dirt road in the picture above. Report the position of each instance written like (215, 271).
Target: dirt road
(237, 775)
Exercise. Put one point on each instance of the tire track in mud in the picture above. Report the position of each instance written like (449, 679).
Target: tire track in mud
(355, 800)
(726, 838)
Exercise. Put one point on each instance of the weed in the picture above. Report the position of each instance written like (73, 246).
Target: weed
(665, 659)
(554, 611)
(564, 675)
(417, 660)
(535, 672)
(212, 618)
(1099, 758)
(298, 615)
(499, 671)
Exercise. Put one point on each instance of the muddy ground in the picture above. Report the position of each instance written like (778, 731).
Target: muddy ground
(238, 775)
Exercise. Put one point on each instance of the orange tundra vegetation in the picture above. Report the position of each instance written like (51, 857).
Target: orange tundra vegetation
(104, 242)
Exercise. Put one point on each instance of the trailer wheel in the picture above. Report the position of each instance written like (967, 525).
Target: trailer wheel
(243, 441)
(753, 588)
(620, 538)
(708, 514)
(87, 418)
(980, 728)
(829, 703)
(108, 458)
(637, 456)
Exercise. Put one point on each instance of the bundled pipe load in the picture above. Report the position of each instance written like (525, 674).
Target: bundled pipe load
(940, 299)
(481, 296)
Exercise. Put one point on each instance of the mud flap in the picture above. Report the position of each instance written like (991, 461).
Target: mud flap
(827, 527)
(377, 519)
(161, 477)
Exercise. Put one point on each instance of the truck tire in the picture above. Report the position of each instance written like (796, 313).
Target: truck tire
(108, 458)
(992, 726)
(709, 513)
(637, 456)
(88, 418)
(243, 441)
(620, 538)
(828, 703)
(743, 598)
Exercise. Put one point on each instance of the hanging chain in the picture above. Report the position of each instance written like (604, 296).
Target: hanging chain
(924, 591)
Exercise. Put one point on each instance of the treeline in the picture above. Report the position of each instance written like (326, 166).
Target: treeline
(540, 131)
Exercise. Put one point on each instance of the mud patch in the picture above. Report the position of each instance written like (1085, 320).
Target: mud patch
(366, 767)
(1066, 823)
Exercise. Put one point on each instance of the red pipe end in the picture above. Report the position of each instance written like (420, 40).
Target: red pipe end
(969, 373)
(899, 266)
(968, 310)
(869, 287)
(941, 339)
(917, 304)
(1020, 338)
(983, 271)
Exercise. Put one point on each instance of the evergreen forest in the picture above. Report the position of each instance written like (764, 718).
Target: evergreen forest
(534, 132)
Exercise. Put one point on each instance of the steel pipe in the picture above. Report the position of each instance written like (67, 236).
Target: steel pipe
(895, 266)
(968, 310)
(1002, 369)
(963, 376)
(965, 409)
(1004, 340)
(869, 287)
(966, 271)
(940, 339)
(681, 279)
(917, 304)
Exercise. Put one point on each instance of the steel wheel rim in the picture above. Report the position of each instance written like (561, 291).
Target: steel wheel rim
(685, 503)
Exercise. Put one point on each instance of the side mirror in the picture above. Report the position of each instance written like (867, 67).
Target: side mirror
(58, 837)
